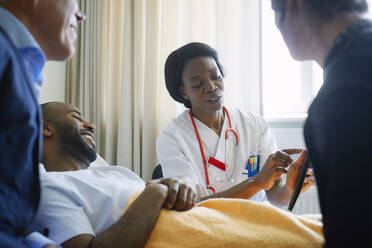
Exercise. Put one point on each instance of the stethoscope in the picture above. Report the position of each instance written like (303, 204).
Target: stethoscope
(228, 131)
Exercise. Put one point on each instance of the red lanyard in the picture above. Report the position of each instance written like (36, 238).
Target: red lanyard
(202, 149)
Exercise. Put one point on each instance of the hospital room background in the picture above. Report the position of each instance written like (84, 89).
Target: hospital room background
(117, 78)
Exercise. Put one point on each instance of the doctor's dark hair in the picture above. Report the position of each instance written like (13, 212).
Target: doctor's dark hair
(174, 67)
(325, 9)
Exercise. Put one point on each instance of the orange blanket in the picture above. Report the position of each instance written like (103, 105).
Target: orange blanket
(235, 223)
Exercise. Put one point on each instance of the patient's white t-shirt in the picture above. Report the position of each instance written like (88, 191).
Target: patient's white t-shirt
(87, 201)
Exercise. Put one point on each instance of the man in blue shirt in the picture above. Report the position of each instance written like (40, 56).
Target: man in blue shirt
(31, 32)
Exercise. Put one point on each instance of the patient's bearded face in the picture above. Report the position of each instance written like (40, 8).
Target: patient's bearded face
(73, 142)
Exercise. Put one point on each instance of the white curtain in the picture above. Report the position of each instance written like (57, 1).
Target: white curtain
(121, 81)
(95, 74)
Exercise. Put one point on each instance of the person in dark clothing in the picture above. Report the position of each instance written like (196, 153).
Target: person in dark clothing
(31, 32)
(338, 131)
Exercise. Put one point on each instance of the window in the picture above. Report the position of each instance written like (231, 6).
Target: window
(288, 86)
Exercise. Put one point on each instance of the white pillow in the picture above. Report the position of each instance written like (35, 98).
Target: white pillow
(99, 162)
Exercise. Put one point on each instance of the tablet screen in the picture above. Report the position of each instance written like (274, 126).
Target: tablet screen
(299, 183)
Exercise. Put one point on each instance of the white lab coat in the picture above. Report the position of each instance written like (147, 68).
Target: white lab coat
(179, 153)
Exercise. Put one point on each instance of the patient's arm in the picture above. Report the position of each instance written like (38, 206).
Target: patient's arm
(134, 227)
(180, 195)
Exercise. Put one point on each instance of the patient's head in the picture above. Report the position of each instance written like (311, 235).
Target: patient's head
(68, 138)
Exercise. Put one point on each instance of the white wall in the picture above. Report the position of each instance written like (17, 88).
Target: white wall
(239, 52)
(289, 137)
(54, 87)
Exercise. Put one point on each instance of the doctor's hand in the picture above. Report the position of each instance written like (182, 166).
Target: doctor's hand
(180, 196)
(295, 169)
(274, 167)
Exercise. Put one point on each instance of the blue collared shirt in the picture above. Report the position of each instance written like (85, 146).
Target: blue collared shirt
(34, 61)
(31, 53)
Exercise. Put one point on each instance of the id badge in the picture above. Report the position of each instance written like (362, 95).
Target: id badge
(252, 166)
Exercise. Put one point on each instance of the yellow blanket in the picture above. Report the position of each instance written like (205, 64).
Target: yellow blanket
(235, 223)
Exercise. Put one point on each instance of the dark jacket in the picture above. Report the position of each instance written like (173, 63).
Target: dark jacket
(20, 146)
(338, 135)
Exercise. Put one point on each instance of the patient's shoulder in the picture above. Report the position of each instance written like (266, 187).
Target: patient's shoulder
(99, 162)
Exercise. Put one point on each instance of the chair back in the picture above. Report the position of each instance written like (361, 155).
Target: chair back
(158, 172)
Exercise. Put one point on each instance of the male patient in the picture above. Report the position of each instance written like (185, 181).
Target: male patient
(84, 207)
(78, 204)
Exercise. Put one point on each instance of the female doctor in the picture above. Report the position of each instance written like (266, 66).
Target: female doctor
(223, 152)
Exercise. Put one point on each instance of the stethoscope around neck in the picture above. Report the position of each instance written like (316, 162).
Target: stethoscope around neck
(228, 131)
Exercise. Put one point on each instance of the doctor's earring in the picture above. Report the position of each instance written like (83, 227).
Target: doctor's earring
(185, 100)
(181, 90)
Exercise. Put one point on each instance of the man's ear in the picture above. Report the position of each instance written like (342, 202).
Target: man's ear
(182, 91)
(47, 131)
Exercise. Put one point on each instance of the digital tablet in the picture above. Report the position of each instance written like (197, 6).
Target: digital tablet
(299, 183)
